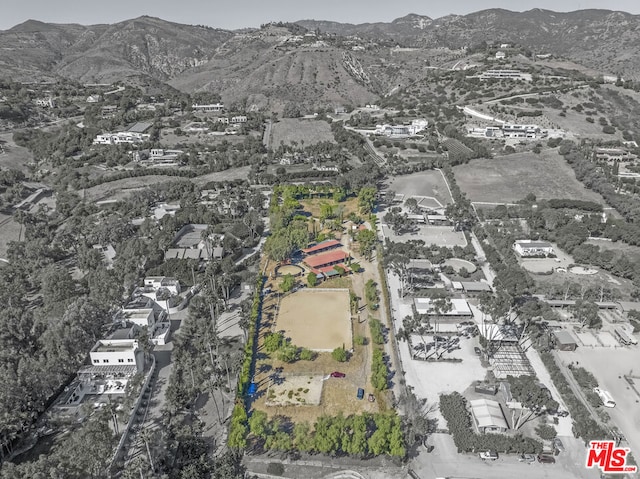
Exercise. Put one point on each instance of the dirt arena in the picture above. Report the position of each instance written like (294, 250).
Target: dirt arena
(317, 319)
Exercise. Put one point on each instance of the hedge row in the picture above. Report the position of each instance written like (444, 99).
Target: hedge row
(454, 410)
(239, 428)
(584, 425)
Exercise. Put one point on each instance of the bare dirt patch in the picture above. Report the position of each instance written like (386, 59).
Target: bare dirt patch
(310, 132)
(9, 231)
(318, 319)
(295, 391)
(510, 178)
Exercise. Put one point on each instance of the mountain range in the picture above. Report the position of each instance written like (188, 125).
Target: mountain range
(277, 63)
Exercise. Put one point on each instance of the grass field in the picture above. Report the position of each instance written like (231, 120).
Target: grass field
(316, 319)
(313, 206)
(288, 130)
(426, 183)
(510, 178)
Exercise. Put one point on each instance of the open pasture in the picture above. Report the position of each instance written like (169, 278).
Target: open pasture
(512, 177)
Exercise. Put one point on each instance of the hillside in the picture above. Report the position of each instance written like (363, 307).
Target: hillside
(105, 53)
(601, 39)
(279, 63)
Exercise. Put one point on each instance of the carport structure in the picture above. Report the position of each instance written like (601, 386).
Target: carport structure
(509, 360)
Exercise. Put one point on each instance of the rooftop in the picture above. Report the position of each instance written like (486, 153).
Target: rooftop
(488, 413)
(564, 337)
(321, 246)
(320, 260)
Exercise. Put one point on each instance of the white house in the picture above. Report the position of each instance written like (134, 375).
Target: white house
(500, 55)
(238, 119)
(93, 98)
(165, 209)
(45, 102)
(120, 137)
(526, 248)
(158, 282)
(117, 352)
(510, 130)
(213, 107)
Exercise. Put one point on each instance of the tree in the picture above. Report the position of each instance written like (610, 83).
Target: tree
(259, 424)
(546, 432)
(366, 199)
(339, 354)
(367, 241)
(411, 204)
(287, 283)
(533, 399)
(312, 279)
(587, 313)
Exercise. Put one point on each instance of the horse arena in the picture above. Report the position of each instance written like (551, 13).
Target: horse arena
(317, 319)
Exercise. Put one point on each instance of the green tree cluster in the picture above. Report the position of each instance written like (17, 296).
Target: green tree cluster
(363, 436)
(379, 371)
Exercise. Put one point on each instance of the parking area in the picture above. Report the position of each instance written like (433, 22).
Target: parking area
(610, 370)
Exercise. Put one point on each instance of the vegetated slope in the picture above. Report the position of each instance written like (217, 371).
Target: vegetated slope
(261, 69)
(106, 53)
(602, 39)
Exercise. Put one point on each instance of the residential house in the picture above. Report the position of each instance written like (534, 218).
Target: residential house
(93, 98)
(529, 248)
(117, 352)
(108, 253)
(120, 138)
(238, 119)
(500, 55)
(45, 102)
(165, 209)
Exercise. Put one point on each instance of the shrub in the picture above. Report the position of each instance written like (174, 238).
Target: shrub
(312, 279)
(340, 355)
(377, 335)
(379, 371)
(307, 354)
(288, 353)
(273, 342)
(360, 340)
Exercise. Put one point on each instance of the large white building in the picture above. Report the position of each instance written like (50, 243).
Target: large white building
(532, 248)
(414, 128)
(209, 108)
(120, 138)
(117, 352)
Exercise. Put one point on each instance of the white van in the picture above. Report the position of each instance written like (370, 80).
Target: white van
(605, 397)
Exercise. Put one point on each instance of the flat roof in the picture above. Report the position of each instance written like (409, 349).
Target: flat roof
(534, 244)
(420, 264)
(319, 260)
(475, 286)
(139, 127)
(564, 337)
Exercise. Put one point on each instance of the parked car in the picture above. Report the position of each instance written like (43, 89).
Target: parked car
(562, 413)
(360, 394)
(557, 443)
(489, 455)
(372, 398)
(528, 458)
(477, 350)
(337, 374)
(546, 459)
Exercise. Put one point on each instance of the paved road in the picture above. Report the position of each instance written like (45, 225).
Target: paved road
(445, 461)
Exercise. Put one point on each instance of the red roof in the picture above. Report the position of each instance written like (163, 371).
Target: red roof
(321, 246)
(325, 269)
(319, 260)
